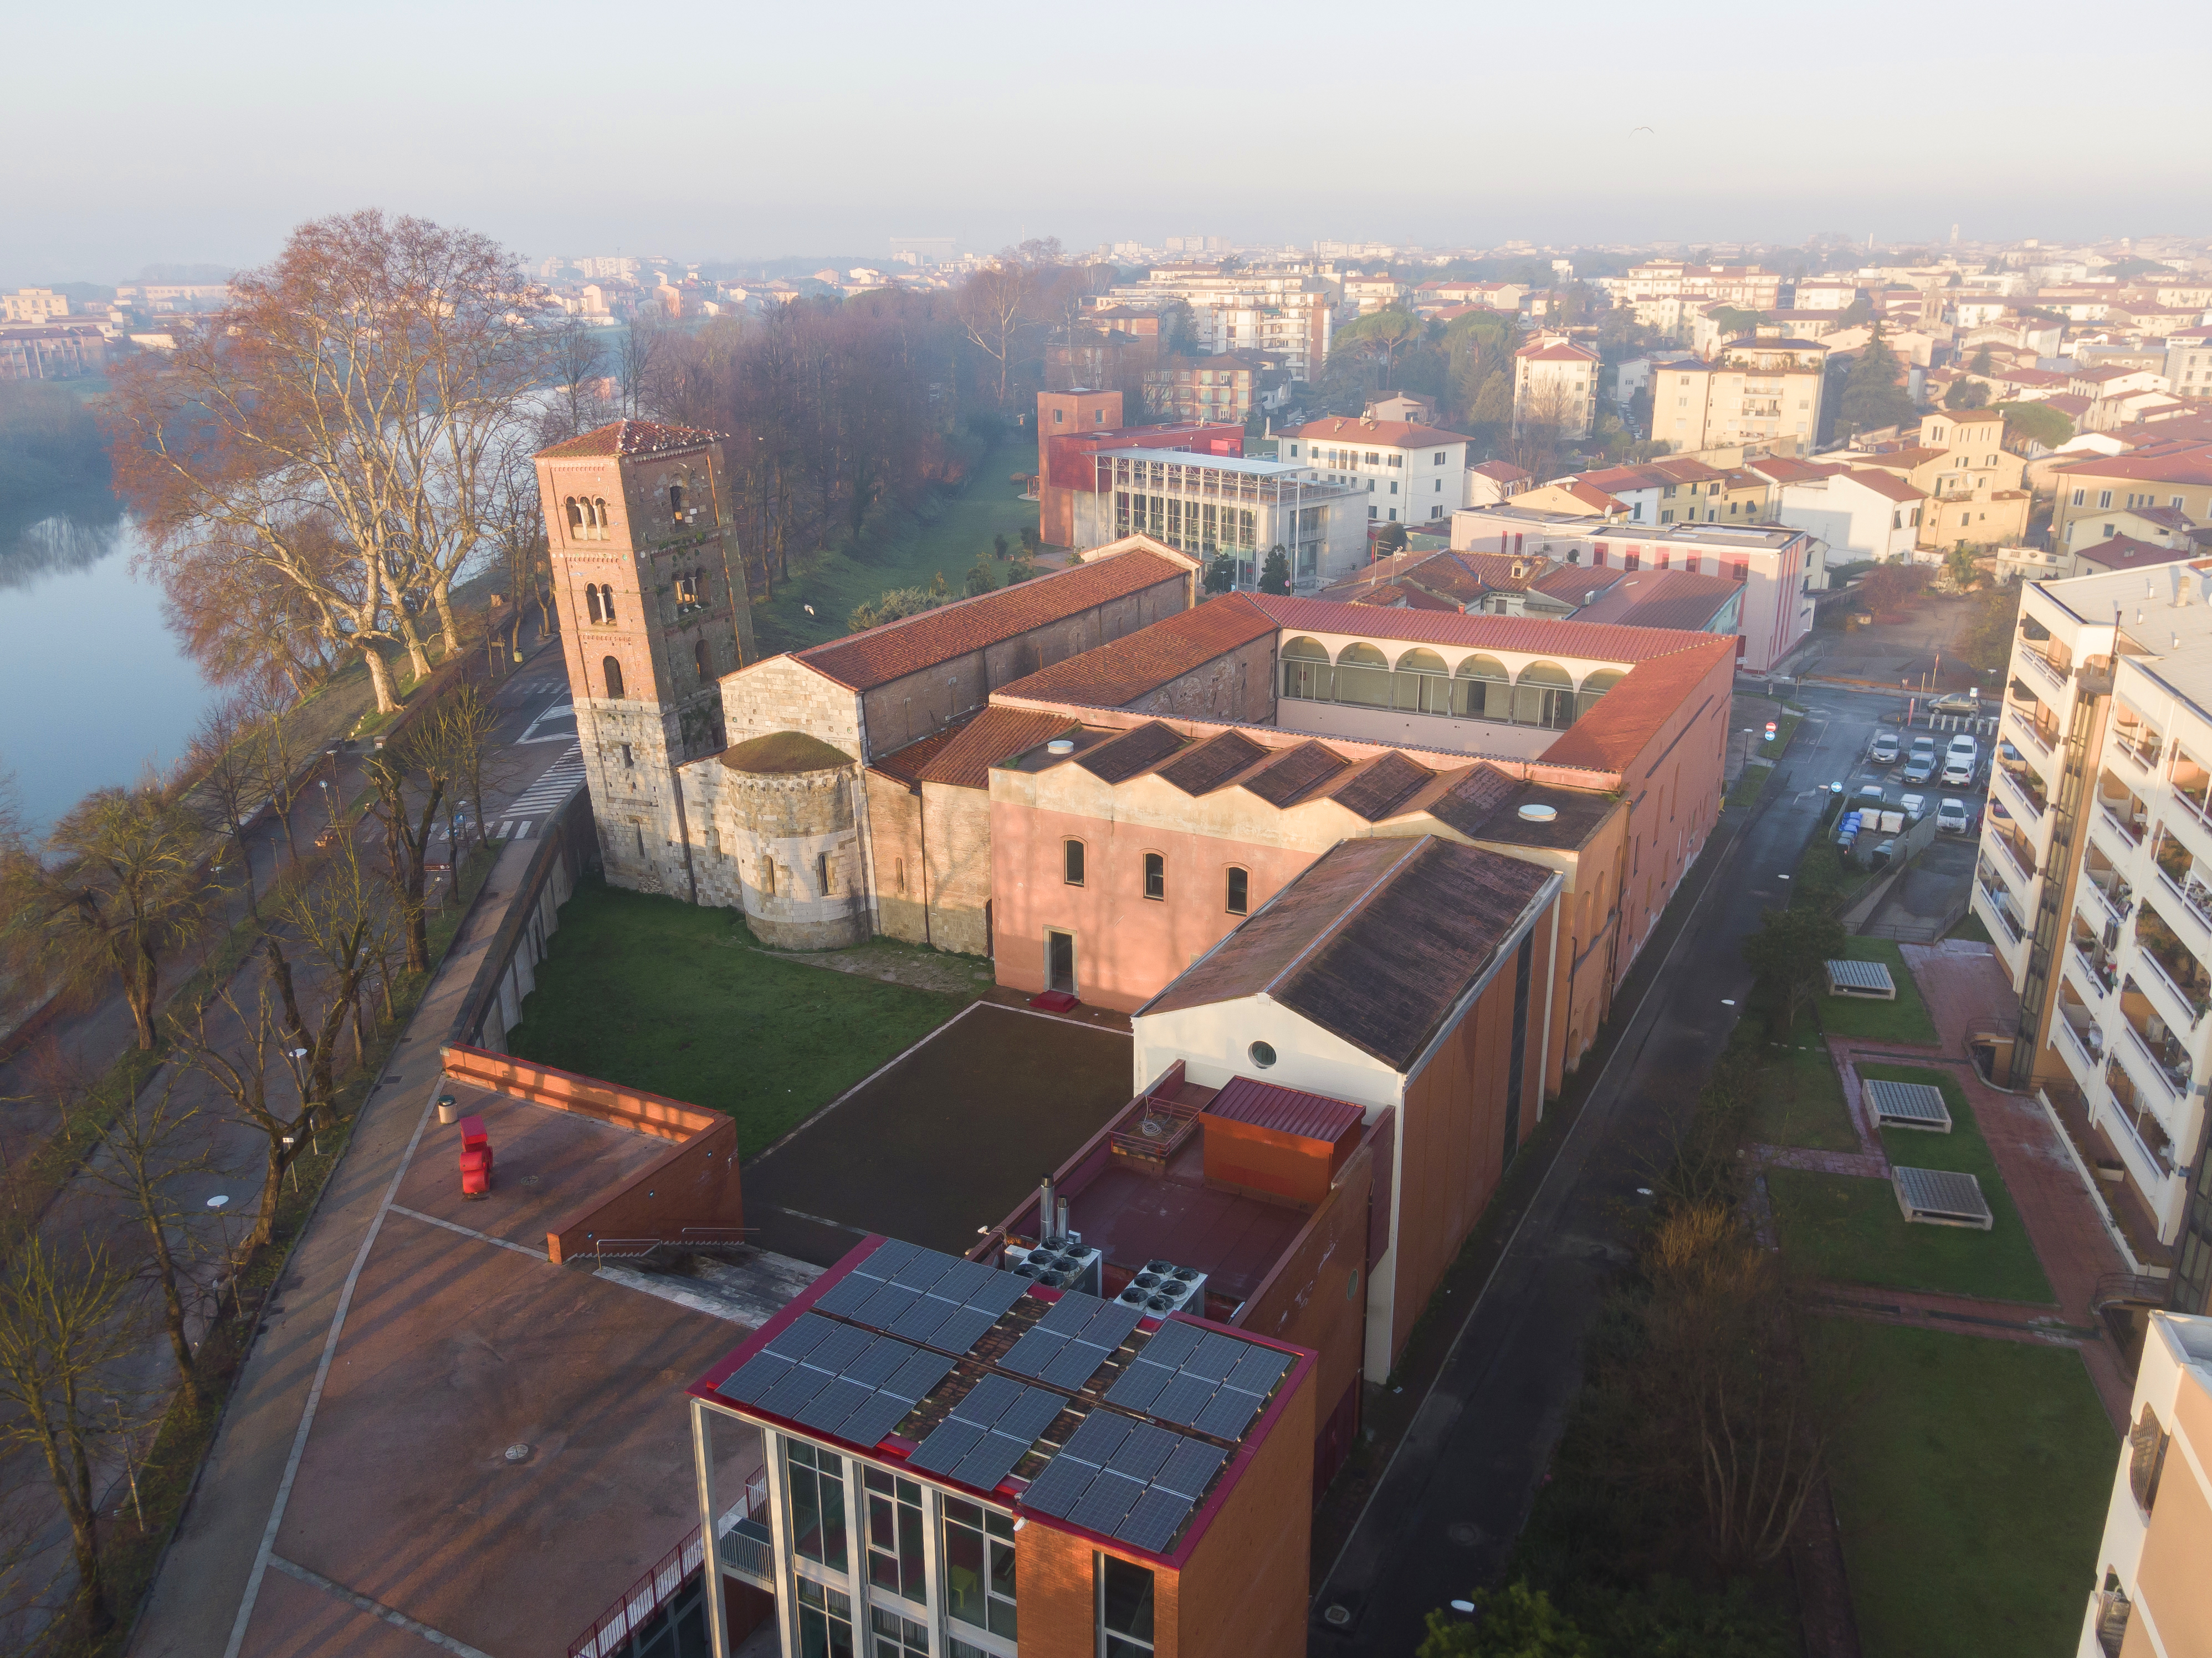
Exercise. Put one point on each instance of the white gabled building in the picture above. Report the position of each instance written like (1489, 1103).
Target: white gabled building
(1413, 473)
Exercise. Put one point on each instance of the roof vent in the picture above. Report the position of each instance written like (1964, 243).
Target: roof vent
(1060, 745)
(1535, 812)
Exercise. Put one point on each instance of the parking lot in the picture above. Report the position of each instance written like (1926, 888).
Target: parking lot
(1920, 903)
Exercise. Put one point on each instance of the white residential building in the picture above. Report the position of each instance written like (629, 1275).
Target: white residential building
(32, 305)
(1755, 390)
(1555, 384)
(1411, 473)
(1860, 513)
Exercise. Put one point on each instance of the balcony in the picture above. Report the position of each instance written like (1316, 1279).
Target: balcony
(2171, 965)
(2022, 725)
(2104, 880)
(2001, 904)
(2023, 790)
(2154, 1039)
(2015, 851)
(2094, 956)
(743, 1539)
(2183, 874)
(2191, 783)
(2143, 1142)
(2042, 669)
(2080, 1045)
(2122, 809)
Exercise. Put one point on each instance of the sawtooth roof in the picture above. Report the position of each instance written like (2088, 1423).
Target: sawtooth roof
(1376, 942)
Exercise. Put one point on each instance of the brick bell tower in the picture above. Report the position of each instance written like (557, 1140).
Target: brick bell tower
(653, 611)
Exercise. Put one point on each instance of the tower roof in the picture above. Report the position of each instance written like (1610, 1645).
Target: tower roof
(629, 438)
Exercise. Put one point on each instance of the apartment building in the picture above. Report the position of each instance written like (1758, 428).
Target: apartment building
(1415, 473)
(1825, 292)
(1973, 483)
(2188, 362)
(1860, 512)
(1555, 385)
(2161, 473)
(2095, 874)
(1237, 386)
(1285, 314)
(1777, 564)
(51, 351)
(2149, 1599)
(1208, 504)
(32, 305)
(1758, 390)
(1748, 287)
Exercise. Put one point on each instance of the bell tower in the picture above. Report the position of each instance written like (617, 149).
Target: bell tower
(653, 611)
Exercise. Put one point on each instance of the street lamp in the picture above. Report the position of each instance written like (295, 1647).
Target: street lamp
(217, 1203)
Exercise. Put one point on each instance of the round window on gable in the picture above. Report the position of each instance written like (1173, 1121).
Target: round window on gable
(1262, 1054)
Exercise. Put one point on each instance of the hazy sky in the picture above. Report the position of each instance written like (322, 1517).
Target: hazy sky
(701, 131)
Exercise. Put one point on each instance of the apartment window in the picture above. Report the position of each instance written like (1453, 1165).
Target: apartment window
(1125, 1608)
(2104, 499)
(1058, 418)
(1156, 876)
(1599, 555)
(825, 1620)
(979, 1568)
(1439, 489)
(817, 1482)
(1437, 459)
(1370, 512)
(2081, 497)
(897, 1636)
(895, 1560)
(1071, 853)
(1240, 891)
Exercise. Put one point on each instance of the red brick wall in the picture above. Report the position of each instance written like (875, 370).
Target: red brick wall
(1242, 1592)
(695, 1185)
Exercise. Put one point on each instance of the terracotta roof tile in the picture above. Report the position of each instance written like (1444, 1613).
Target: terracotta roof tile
(1131, 752)
(907, 764)
(1117, 673)
(1204, 768)
(1611, 736)
(879, 655)
(1297, 774)
(993, 735)
(1378, 788)
(2126, 553)
(1382, 433)
(1376, 941)
(1664, 599)
(629, 438)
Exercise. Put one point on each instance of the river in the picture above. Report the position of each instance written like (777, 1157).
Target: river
(92, 684)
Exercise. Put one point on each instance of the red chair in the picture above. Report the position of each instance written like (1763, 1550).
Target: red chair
(475, 1158)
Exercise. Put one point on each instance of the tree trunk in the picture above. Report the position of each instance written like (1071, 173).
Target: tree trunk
(379, 676)
(172, 1309)
(265, 1223)
(418, 658)
(449, 631)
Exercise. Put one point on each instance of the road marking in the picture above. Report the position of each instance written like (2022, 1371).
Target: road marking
(266, 1552)
(391, 1615)
(470, 1232)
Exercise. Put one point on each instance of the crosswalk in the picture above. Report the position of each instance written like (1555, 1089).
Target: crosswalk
(544, 797)
(538, 687)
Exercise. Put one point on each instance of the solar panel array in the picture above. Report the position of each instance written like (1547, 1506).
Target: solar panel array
(1908, 1105)
(1134, 1481)
(1942, 1196)
(1066, 1346)
(1127, 1480)
(1200, 1378)
(1867, 978)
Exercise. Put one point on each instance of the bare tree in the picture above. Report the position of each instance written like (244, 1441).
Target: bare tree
(409, 767)
(226, 759)
(578, 363)
(333, 912)
(148, 1145)
(993, 309)
(61, 1328)
(455, 742)
(249, 1067)
(334, 426)
(635, 360)
(283, 756)
(119, 889)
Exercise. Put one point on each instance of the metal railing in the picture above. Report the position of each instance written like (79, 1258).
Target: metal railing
(2128, 831)
(2025, 727)
(1996, 905)
(2054, 676)
(2127, 1289)
(2030, 810)
(644, 1598)
(2103, 975)
(2164, 974)
(2175, 1085)
(2025, 871)
(2117, 904)
(2080, 1047)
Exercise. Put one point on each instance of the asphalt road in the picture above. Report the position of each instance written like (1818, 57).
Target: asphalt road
(1443, 1517)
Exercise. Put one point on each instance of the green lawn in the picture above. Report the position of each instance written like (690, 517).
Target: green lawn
(1802, 1100)
(1904, 1020)
(1971, 1479)
(1849, 1229)
(1970, 927)
(667, 996)
(907, 555)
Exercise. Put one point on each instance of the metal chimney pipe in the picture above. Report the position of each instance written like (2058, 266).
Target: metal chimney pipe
(1062, 1212)
(1045, 1209)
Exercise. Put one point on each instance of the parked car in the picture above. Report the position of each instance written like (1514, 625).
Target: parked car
(1951, 817)
(1961, 760)
(1912, 805)
(1957, 702)
(1886, 749)
(1921, 768)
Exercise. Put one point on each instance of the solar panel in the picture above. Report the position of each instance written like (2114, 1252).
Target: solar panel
(1075, 1364)
(880, 1362)
(944, 1447)
(992, 1460)
(1139, 1455)
(881, 1310)
(1059, 1487)
(924, 1270)
(917, 1375)
(750, 1382)
(1110, 1325)
(1216, 1357)
(827, 1411)
(1154, 1521)
(1033, 1352)
(1258, 1369)
(892, 1254)
(1190, 1468)
(1071, 1312)
(789, 1396)
(1224, 1417)
(797, 1338)
(1908, 1105)
(961, 1280)
(848, 1295)
(1110, 1497)
(874, 1419)
(987, 1401)
(1182, 1398)
(1172, 1344)
(1138, 1386)
(1098, 1437)
(837, 1349)
(1002, 1290)
(1030, 1415)
(920, 1322)
(962, 1328)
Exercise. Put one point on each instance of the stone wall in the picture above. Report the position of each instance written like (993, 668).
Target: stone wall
(784, 695)
(959, 862)
(1238, 685)
(629, 766)
(784, 849)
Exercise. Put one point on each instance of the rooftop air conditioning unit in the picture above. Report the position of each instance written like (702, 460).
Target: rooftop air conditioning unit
(1164, 1287)
(1074, 1267)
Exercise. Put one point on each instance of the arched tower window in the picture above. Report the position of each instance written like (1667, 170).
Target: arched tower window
(607, 602)
(702, 659)
(610, 670)
(576, 521)
(591, 601)
(1156, 876)
(599, 513)
(676, 501)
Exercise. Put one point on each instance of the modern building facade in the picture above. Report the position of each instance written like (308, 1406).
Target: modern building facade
(1414, 472)
(1210, 505)
(1074, 426)
(2148, 1600)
